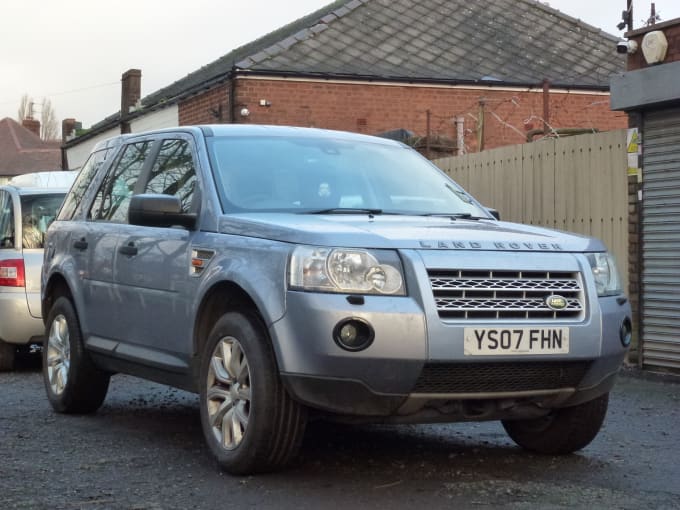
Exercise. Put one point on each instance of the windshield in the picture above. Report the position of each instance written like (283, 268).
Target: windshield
(325, 175)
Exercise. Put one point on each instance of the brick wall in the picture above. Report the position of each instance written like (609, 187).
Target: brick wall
(209, 107)
(374, 108)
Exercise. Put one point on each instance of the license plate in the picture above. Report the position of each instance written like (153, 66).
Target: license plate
(503, 341)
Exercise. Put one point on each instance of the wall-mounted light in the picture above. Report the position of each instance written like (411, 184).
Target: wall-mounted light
(264, 102)
(245, 112)
(654, 47)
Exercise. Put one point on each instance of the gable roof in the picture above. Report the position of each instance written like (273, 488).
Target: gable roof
(22, 151)
(504, 42)
(513, 41)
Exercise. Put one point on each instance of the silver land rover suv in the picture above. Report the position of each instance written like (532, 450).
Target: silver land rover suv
(288, 273)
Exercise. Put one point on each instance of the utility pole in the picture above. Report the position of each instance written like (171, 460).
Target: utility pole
(546, 106)
(480, 126)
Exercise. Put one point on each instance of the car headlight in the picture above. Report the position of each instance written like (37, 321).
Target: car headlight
(346, 270)
(607, 281)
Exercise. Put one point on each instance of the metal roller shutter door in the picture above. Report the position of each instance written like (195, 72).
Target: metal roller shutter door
(661, 239)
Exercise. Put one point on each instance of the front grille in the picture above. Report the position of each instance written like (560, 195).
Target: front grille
(461, 294)
(471, 378)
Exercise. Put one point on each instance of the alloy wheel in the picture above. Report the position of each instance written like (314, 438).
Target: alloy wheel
(228, 397)
(58, 355)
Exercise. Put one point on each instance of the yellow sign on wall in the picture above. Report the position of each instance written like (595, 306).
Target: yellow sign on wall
(634, 150)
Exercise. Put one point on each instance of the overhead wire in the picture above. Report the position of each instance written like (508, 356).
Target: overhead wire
(72, 91)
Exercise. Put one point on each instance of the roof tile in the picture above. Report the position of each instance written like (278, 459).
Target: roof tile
(459, 40)
(21, 151)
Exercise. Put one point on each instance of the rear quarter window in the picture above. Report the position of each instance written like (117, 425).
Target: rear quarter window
(6, 220)
(85, 177)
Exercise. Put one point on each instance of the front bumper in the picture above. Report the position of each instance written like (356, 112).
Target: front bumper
(417, 361)
(353, 400)
(398, 379)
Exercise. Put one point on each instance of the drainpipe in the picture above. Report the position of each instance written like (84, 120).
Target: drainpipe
(546, 106)
(480, 126)
(460, 135)
(232, 96)
(427, 136)
(64, 159)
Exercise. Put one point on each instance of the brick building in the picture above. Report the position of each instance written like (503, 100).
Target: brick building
(22, 151)
(462, 75)
(649, 92)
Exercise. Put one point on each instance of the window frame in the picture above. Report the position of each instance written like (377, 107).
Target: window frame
(194, 159)
(85, 174)
(96, 216)
(157, 140)
(12, 220)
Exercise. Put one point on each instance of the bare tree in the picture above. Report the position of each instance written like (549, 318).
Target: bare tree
(49, 126)
(25, 108)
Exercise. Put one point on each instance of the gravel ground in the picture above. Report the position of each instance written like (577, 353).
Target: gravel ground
(144, 450)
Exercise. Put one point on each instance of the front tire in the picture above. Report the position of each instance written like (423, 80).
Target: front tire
(72, 381)
(563, 431)
(249, 421)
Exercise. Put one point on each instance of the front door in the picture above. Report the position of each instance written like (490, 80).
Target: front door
(153, 267)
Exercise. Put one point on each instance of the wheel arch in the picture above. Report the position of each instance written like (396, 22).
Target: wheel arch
(222, 297)
(55, 287)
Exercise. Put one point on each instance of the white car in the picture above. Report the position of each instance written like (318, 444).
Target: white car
(25, 214)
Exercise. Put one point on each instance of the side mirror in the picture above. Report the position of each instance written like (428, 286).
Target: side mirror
(494, 213)
(155, 210)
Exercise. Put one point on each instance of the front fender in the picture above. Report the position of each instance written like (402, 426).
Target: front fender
(257, 266)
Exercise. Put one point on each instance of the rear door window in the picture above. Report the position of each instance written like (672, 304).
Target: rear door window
(37, 212)
(113, 197)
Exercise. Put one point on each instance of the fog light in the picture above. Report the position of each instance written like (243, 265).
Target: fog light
(353, 334)
(626, 332)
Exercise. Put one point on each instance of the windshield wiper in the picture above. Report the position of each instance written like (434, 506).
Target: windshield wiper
(456, 216)
(345, 210)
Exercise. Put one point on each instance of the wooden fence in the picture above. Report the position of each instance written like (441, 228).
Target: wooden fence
(576, 183)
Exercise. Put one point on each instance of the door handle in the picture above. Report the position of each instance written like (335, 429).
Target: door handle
(129, 249)
(80, 244)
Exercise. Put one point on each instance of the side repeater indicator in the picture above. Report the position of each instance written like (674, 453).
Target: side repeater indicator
(199, 261)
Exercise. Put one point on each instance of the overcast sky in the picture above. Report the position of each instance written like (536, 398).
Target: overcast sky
(73, 52)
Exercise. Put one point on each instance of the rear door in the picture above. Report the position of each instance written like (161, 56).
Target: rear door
(73, 232)
(98, 238)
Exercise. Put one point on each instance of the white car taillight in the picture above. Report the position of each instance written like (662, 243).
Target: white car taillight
(12, 273)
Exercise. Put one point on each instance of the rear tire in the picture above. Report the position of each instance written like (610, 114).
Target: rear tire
(563, 431)
(7, 355)
(72, 381)
(249, 421)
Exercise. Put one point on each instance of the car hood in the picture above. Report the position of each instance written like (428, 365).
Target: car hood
(404, 232)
